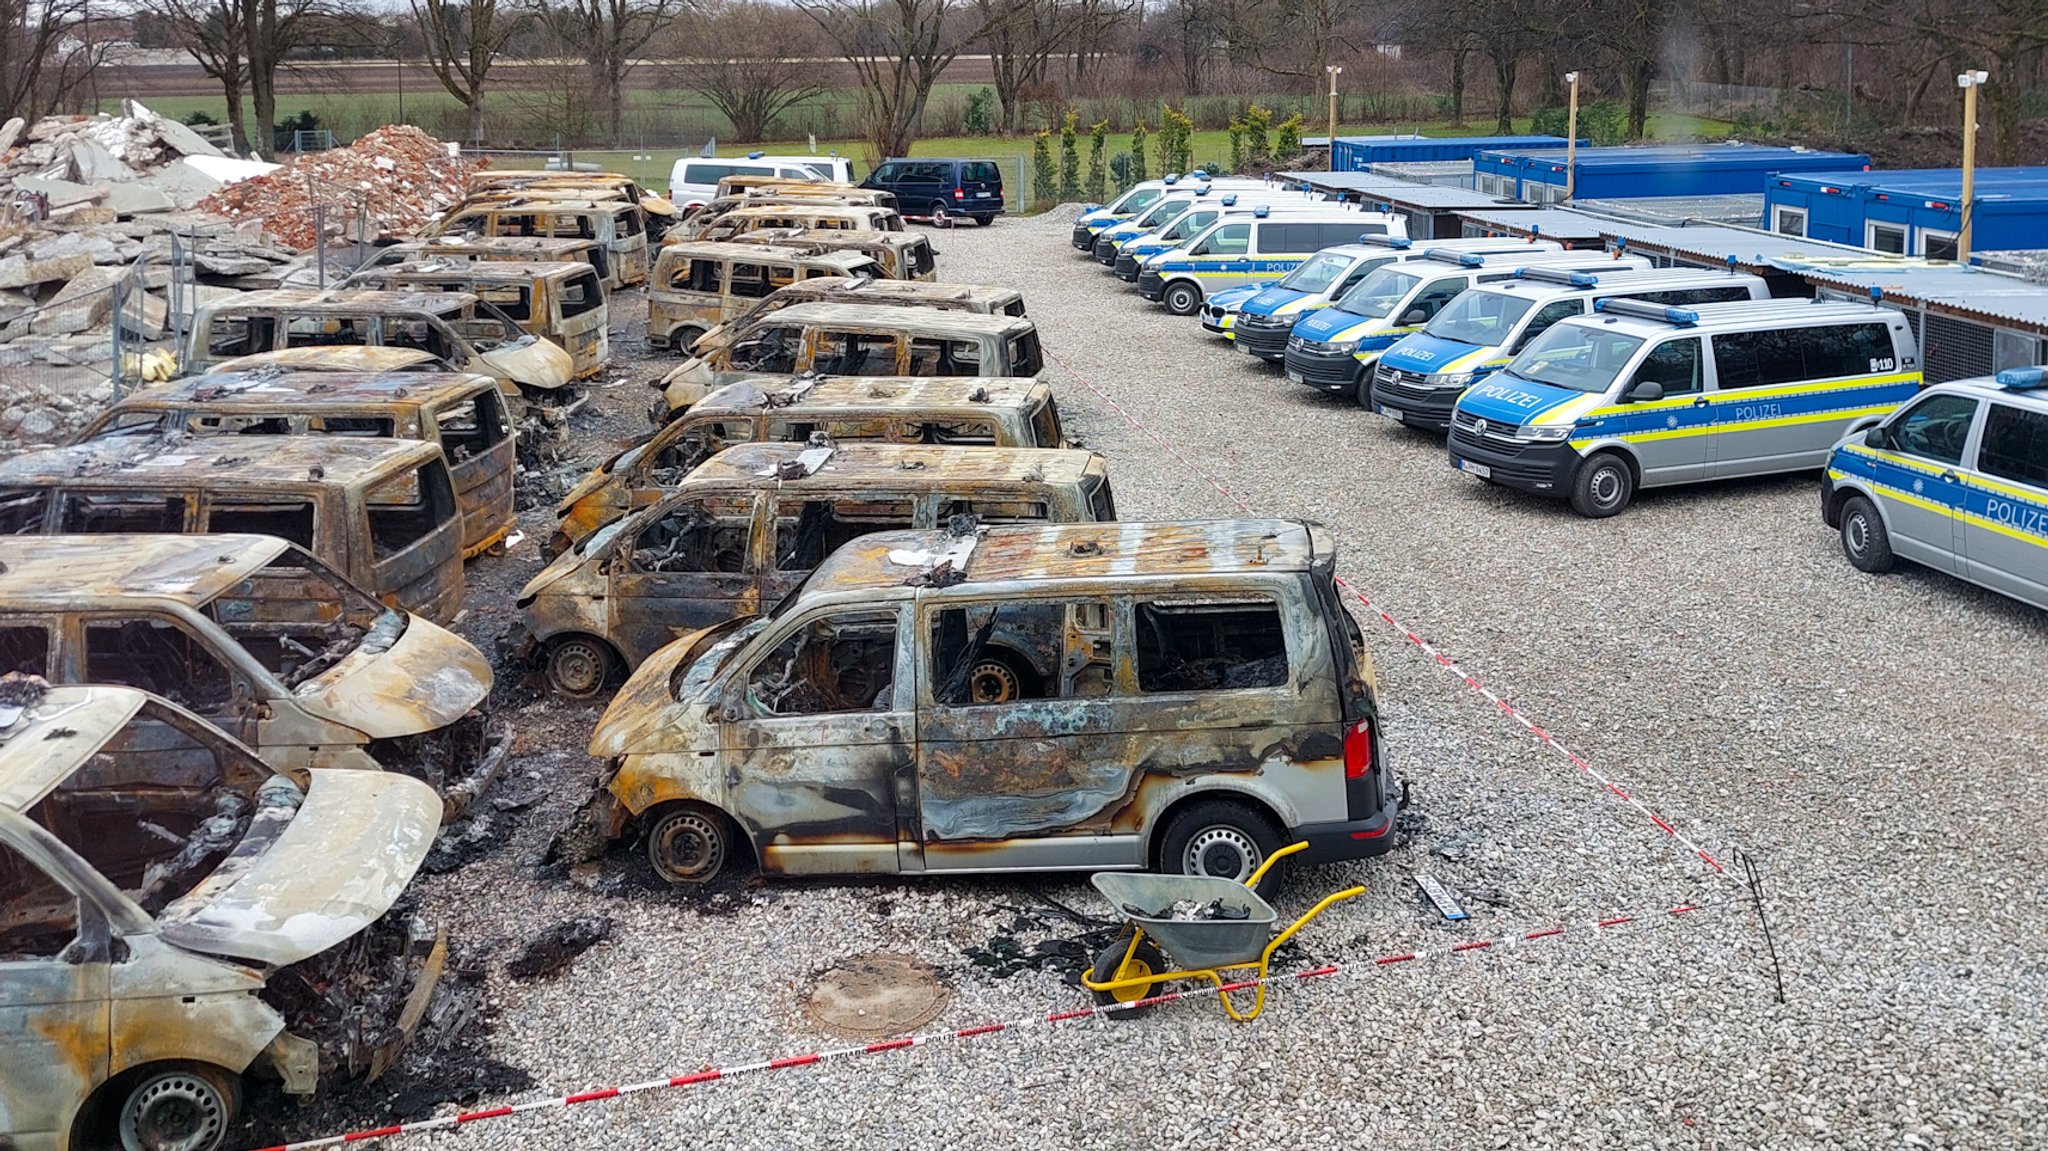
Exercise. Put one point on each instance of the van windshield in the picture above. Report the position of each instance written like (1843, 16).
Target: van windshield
(1165, 211)
(1316, 273)
(1135, 200)
(1482, 319)
(1376, 296)
(299, 618)
(1187, 225)
(1576, 356)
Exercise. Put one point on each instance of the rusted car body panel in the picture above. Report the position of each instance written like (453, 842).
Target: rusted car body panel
(1082, 768)
(519, 249)
(461, 412)
(858, 340)
(151, 904)
(950, 410)
(741, 184)
(745, 527)
(531, 372)
(976, 298)
(612, 221)
(696, 285)
(581, 183)
(796, 195)
(253, 634)
(561, 303)
(382, 512)
(812, 216)
(907, 255)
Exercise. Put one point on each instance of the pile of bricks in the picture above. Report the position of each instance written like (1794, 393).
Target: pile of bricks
(386, 184)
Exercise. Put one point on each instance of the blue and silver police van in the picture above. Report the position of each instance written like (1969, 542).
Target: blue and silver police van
(1641, 395)
(1335, 349)
(1417, 381)
(1264, 320)
(1132, 256)
(1236, 251)
(1134, 199)
(1168, 208)
(1956, 480)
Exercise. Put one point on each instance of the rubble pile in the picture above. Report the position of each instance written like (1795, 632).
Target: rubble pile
(398, 177)
(94, 169)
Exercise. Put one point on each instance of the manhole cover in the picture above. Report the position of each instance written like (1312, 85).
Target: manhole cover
(878, 995)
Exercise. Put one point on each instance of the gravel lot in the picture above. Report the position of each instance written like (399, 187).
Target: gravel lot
(1872, 742)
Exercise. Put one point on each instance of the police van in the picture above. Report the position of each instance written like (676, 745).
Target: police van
(1334, 349)
(1133, 252)
(1263, 320)
(1137, 198)
(1642, 395)
(1236, 251)
(1165, 210)
(1957, 481)
(1417, 381)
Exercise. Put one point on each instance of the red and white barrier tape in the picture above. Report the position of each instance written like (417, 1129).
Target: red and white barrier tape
(1444, 661)
(715, 1074)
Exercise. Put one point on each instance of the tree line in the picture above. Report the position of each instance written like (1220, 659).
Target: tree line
(755, 60)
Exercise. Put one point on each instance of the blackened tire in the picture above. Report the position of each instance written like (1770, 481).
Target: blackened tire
(679, 341)
(1603, 486)
(1865, 539)
(1110, 965)
(1220, 838)
(688, 844)
(1181, 298)
(579, 666)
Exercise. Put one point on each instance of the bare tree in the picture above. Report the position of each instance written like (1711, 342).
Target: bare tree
(463, 39)
(1021, 37)
(47, 55)
(608, 34)
(897, 49)
(270, 29)
(751, 60)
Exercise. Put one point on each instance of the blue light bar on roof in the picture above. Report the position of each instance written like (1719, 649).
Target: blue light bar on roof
(1646, 310)
(1230, 199)
(755, 155)
(2022, 379)
(1383, 241)
(1262, 211)
(1462, 259)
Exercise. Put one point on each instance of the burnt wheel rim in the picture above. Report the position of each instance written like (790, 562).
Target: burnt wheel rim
(993, 681)
(180, 1111)
(577, 667)
(686, 847)
(1224, 852)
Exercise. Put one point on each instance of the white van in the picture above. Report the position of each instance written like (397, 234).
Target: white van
(693, 182)
(834, 168)
(1267, 246)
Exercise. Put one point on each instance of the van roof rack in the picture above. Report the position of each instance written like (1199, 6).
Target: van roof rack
(1646, 310)
(1559, 276)
(1462, 259)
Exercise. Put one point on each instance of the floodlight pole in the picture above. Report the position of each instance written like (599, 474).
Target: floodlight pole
(1571, 138)
(1334, 71)
(1969, 82)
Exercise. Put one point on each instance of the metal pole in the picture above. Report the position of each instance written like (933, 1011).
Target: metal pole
(1969, 82)
(1334, 72)
(1571, 138)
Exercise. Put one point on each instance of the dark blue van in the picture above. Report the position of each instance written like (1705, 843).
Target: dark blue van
(936, 188)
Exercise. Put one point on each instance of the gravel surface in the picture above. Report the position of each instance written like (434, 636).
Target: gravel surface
(1871, 742)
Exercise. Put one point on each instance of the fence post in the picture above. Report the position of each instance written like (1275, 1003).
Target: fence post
(320, 245)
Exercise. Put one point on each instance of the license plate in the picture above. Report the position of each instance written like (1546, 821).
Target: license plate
(1390, 413)
(1294, 377)
(1480, 470)
(984, 195)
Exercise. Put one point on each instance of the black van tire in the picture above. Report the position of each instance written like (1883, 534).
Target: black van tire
(679, 341)
(578, 666)
(689, 845)
(1209, 833)
(1864, 538)
(1603, 486)
(984, 221)
(1364, 393)
(1182, 299)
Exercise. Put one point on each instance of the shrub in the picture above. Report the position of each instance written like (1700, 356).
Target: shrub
(1098, 175)
(1258, 143)
(1070, 159)
(981, 113)
(1045, 180)
(1288, 146)
(1137, 167)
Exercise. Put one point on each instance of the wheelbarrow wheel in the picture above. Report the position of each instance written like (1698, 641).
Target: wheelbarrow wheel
(1111, 964)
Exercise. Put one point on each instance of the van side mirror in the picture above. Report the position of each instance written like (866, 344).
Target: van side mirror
(1414, 316)
(1877, 437)
(1645, 391)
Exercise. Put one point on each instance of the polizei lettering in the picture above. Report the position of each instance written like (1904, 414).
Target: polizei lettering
(2019, 517)
(1508, 395)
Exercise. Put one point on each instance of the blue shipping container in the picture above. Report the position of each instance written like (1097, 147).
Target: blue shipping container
(1358, 153)
(1664, 170)
(1913, 211)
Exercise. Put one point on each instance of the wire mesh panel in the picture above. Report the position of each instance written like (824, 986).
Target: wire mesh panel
(1955, 349)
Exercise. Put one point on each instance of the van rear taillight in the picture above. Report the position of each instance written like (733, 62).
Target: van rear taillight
(1358, 750)
(959, 193)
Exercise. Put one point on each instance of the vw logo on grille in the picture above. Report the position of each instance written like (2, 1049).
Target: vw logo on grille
(1479, 427)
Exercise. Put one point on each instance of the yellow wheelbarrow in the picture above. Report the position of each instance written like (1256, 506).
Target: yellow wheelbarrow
(1239, 938)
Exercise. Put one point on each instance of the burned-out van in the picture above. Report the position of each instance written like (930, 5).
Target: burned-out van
(812, 215)
(905, 255)
(457, 329)
(979, 298)
(266, 642)
(939, 410)
(615, 222)
(382, 512)
(519, 249)
(462, 413)
(561, 303)
(1178, 697)
(743, 529)
(698, 285)
(858, 340)
(179, 916)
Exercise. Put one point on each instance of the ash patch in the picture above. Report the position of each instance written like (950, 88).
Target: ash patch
(558, 946)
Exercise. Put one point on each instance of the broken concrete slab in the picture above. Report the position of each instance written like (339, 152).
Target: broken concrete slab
(19, 271)
(137, 199)
(222, 264)
(62, 193)
(10, 132)
(83, 303)
(175, 135)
